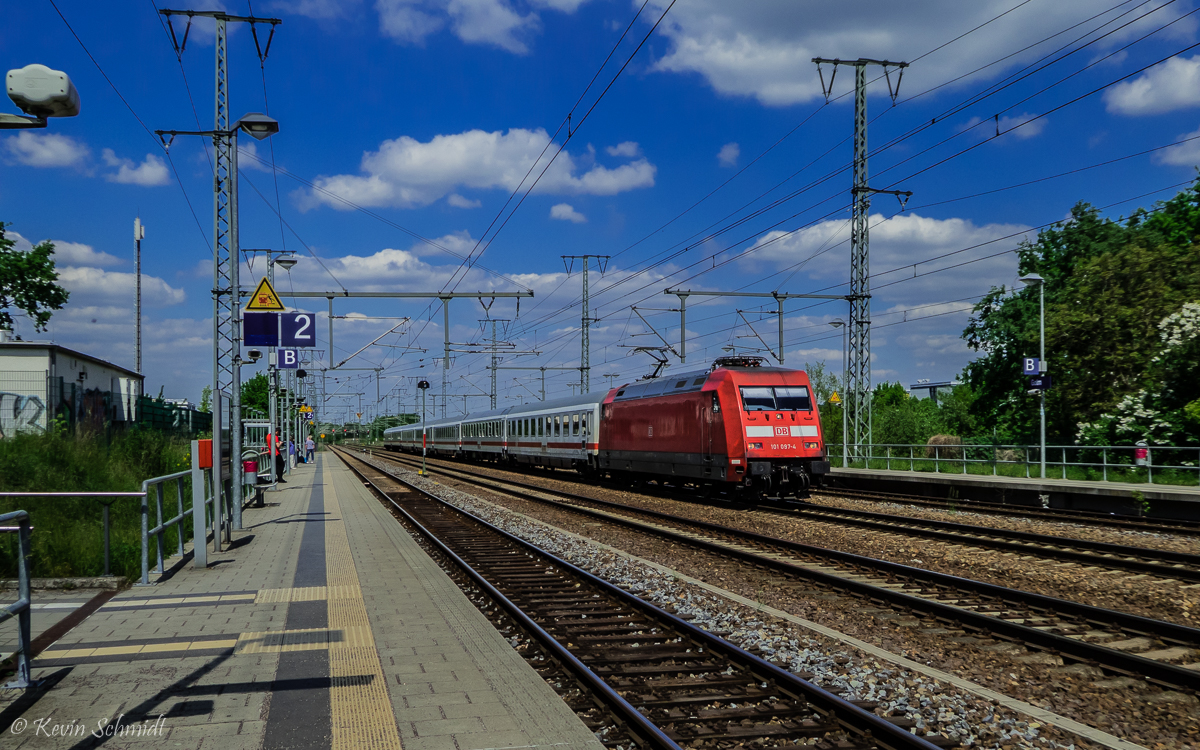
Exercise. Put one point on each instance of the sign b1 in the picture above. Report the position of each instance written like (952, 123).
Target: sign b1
(1030, 366)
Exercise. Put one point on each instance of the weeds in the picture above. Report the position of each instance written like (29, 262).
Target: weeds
(68, 537)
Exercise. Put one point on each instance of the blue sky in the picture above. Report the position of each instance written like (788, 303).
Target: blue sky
(712, 162)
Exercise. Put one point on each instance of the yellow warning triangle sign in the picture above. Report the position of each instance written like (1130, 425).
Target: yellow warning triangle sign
(265, 299)
(835, 399)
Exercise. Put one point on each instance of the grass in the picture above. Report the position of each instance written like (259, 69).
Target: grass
(68, 537)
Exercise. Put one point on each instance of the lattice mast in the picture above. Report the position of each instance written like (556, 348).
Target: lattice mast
(858, 395)
(585, 351)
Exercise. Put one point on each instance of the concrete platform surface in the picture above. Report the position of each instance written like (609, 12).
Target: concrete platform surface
(324, 625)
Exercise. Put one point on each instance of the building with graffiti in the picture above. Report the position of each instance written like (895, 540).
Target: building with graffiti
(42, 382)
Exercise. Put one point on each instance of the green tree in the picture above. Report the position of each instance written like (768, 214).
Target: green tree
(256, 394)
(824, 384)
(27, 282)
(205, 399)
(1108, 284)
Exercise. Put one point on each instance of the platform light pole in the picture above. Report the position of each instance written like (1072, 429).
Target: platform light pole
(1031, 280)
(839, 323)
(424, 386)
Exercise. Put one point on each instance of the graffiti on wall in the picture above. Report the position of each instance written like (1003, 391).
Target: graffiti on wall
(21, 413)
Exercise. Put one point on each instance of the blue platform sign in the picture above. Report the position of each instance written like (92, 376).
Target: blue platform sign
(1029, 366)
(1041, 382)
(260, 328)
(298, 329)
(289, 359)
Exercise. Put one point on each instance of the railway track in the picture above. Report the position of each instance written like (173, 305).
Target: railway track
(1136, 560)
(1116, 642)
(1082, 517)
(663, 682)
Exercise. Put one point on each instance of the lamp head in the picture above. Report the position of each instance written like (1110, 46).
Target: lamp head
(254, 355)
(258, 126)
(1032, 279)
(286, 261)
(838, 323)
(42, 92)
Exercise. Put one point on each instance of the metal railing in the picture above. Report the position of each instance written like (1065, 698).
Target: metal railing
(21, 607)
(1120, 463)
(158, 483)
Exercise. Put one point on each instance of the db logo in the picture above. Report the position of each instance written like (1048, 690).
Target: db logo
(781, 431)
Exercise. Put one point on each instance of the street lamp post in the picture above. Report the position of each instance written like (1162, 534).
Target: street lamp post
(839, 323)
(225, 215)
(1034, 278)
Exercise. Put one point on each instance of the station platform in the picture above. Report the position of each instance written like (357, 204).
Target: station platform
(324, 624)
(1111, 497)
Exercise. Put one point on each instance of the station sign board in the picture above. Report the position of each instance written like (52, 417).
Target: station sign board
(289, 359)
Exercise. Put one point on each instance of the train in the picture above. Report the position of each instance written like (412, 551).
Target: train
(736, 427)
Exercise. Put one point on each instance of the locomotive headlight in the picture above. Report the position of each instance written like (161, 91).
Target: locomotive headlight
(812, 446)
(756, 445)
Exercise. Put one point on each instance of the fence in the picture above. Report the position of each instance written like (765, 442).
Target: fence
(1162, 465)
(172, 418)
(21, 607)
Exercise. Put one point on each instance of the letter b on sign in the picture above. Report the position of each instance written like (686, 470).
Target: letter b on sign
(1029, 366)
(288, 359)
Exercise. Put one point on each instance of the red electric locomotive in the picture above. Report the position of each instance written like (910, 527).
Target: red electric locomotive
(739, 426)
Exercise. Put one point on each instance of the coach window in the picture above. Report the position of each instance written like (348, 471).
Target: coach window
(585, 424)
(575, 422)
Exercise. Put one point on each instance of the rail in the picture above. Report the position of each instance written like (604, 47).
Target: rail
(21, 607)
(1115, 463)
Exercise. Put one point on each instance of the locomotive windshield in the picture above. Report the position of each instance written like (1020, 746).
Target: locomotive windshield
(792, 398)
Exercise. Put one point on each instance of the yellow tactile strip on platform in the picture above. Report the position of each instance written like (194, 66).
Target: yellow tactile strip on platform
(309, 594)
(361, 709)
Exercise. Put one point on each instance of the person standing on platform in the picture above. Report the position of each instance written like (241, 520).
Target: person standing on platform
(273, 447)
(310, 446)
(292, 453)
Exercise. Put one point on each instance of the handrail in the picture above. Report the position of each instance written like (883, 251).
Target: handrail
(157, 483)
(21, 607)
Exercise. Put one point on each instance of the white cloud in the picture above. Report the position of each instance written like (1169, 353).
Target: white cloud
(78, 254)
(152, 170)
(67, 253)
(249, 158)
(46, 150)
(407, 173)
(1022, 126)
(899, 243)
(456, 200)
(1164, 88)
(728, 155)
(98, 287)
(493, 23)
(1183, 155)
(565, 212)
(627, 148)
(764, 49)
